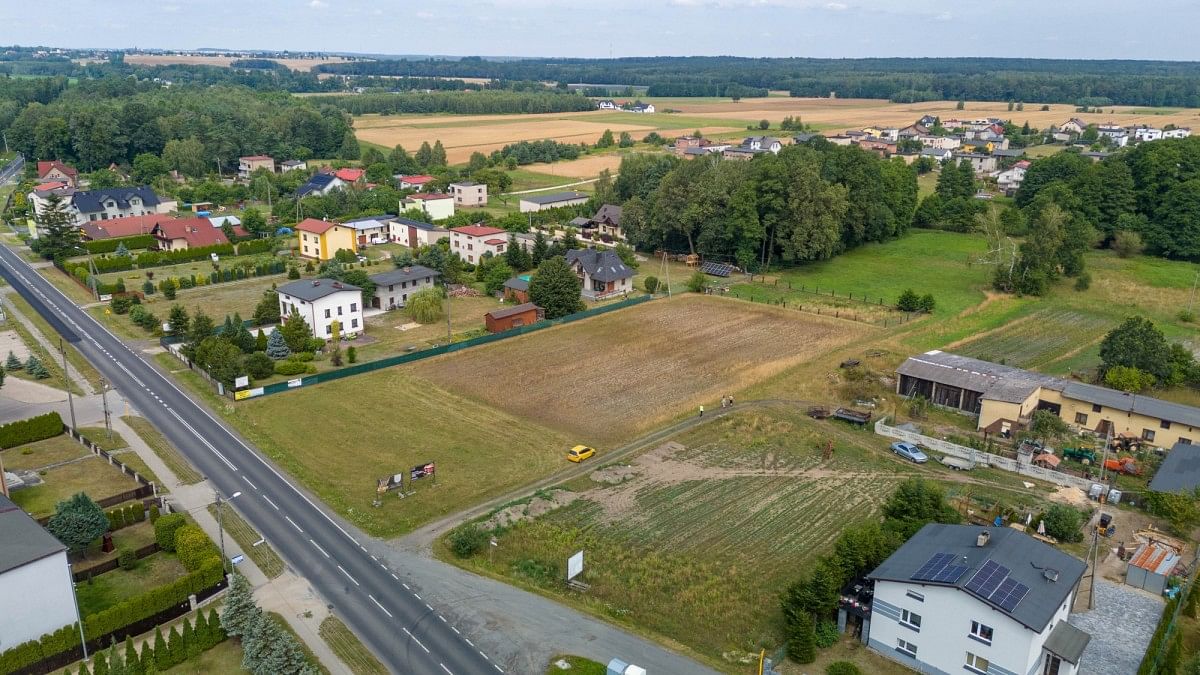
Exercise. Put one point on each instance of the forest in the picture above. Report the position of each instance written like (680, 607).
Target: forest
(1154, 83)
(809, 202)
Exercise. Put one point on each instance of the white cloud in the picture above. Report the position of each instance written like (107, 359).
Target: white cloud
(836, 6)
(425, 15)
(318, 4)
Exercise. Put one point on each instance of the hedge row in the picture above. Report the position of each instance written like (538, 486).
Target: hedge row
(114, 618)
(148, 259)
(138, 241)
(1150, 661)
(30, 430)
(124, 516)
(84, 276)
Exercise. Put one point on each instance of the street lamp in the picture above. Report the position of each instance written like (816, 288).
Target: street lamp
(221, 526)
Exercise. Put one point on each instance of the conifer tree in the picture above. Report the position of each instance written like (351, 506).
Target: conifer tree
(239, 610)
(12, 362)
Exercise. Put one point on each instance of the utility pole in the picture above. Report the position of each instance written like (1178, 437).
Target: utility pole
(67, 376)
(104, 399)
(5, 135)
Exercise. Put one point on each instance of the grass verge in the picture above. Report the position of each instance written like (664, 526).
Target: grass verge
(349, 648)
(76, 359)
(174, 460)
(263, 555)
(576, 665)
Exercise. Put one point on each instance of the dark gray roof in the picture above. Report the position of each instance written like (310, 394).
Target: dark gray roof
(518, 309)
(697, 151)
(1143, 405)
(609, 212)
(993, 380)
(600, 265)
(315, 289)
(580, 221)
(92, 201)
(417, 224)
(1024, 556)
(555, 198)
(517, 284)
(1067, 642)
(401, 274)
(1180, 471)
(939, 152)
(319, 181)
(1014, 152)
(24, 540)
(804, 137)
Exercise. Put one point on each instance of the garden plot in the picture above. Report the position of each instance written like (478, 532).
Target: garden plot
(1038, 339)
(608, 378)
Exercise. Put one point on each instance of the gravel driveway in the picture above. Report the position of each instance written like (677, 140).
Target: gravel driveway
(1121, 626)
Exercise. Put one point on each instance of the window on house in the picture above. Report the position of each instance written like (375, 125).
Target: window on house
(915, 596)
(354, 307)
(329, 329)
(1184, 441)
(326, 312)
(1096, 407)
(981, 632)
(1080, 418)
(1164, 425)
(906, 647)
(1147, 434)
(976, 663)
(354, 323)
(910, 619)
(470, 247)
(339, 310)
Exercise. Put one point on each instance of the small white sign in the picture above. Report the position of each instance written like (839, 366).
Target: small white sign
(295, 383)
(237, 559)
(242, 381)
(574, 565)
(105, 297)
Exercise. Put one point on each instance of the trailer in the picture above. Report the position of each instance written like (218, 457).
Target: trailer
(852, 416)
(818, 412)
(958, 463)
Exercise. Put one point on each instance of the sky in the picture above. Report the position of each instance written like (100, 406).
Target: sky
(1160, 29)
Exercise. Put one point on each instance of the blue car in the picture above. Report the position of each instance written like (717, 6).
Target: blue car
(910, 452)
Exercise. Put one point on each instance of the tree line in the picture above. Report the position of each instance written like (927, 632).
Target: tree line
(809, 202)
(462, 103)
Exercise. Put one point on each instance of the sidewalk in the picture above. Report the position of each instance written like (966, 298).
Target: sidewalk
(288, 594)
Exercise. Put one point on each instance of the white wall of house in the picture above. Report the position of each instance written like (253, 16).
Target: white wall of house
(472, 249)
(528, 206)
(944, 638)
(436, 209)
(1177, 133)
(39, 599)
(343, 306)
(397, 295)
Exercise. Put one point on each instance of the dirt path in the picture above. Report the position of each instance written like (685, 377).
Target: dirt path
(554, 187)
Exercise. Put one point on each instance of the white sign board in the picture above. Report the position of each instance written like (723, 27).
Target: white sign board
(574, 565)
(237, 559)
(295, 383)
(242, 381)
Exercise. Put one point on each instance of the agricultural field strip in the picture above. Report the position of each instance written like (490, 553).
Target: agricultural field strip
(1039, 338)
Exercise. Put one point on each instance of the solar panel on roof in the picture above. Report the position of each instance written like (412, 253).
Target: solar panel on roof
(933, 567)
(1009, 594)
(987, 579)
(951, 574)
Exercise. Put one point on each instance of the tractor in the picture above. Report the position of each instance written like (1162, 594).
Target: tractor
(1125, 465)
(1082, 455)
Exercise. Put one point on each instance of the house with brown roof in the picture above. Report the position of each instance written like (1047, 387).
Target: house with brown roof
(180, 235)
(322, 239)
(354, 177)
(56, 171)
(472, 242)
(606, 224)
(129, 226)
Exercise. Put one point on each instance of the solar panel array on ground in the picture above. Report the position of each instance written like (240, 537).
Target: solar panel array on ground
(717, 269)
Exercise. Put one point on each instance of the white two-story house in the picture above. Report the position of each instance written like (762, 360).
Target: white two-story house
(35, 579)
(988, 601)
(472, 241)
(602, 272)
(393, 288)
(321, 302)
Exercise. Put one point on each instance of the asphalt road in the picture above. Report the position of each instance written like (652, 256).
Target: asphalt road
(409, 634)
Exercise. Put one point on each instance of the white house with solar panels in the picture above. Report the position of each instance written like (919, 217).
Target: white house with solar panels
(990, 601)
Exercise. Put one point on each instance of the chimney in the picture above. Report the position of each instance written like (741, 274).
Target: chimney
(982, 539)
(316, 282)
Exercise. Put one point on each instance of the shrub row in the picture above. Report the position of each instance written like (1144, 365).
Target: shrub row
(84, 276)
(109, 245)
(125, 516)
(30, 430)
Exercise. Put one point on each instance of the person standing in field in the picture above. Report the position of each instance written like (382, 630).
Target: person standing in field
(702, 411)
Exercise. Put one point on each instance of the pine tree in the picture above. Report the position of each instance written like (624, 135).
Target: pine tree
(133, 666)
(100, 664)
(276, 346)
(122, 251)
(260, 341)
(538, 254)
(239, 610)
(58, 237)
(77, 521)
(179, 320)
(214, 627)
(13, 363)
(176, 654)
(802, 639)
(269, 649)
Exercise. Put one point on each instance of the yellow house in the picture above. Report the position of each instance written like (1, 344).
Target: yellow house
(322, 239)
(1005, 398)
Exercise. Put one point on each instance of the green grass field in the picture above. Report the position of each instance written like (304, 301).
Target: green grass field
(349, 649)
(43, 453)
(110, 588)
(265, 557)
(163, 448)
(92, 475)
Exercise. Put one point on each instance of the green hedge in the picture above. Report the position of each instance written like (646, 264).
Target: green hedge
(109, 245)
(30, 430)
(165, 528)
(1158, 641)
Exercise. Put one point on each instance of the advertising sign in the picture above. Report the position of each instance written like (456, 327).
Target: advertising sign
(242, 381)
(295, 383)
(574, 565)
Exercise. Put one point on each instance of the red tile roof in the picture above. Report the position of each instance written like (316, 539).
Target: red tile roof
(430, 195)
(349, 175)
(122, 227)
(50, 185)
(478, 231)
(416, 180)
(315, 226)
(196, 232)
(44, 168)
(494, 242)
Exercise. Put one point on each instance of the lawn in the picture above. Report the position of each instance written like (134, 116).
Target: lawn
(133, 536)
(91, 475)
(349, 649)
(607, 379)
(264, 557)
(576, 665)
(33, 456)
(80, 364)
(163, 448)
(100, 436)
(105, 590)
(226, 657)
(524, 179)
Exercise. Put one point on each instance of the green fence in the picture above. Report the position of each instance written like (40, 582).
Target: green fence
(401, 359)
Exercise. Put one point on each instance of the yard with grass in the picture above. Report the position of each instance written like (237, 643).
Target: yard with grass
(224, 658)
(606, 379)
(80, 364)
(105, 590)
(92, 475)
(45, 453)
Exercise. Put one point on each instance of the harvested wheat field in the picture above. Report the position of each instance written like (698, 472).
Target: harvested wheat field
(221, 61)
(606, 380)
(584, 167)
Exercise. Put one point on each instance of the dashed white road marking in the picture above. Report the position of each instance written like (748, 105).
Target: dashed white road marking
(270, 502)
(294, 524)
(248, 481)
(380, 606)
(318, 547)
(348, 575)
(445, 669)
(414, 639)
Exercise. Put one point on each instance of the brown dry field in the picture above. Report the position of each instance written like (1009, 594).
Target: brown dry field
(223, 61)
(465, 134)
(584, 167)
(606, 380)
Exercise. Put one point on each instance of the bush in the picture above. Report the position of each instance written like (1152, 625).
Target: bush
(120, 304)
(30, 430)
(1083, 281)
(154, 513)
(259, 365)
(696, 282)
(193, 548)
(303, 357)
(1063, 523)
(467, 540)
(352, 354)
(425, 306)
(289, 367)
(164, 530)
(909, 301)
(1186, 316)
(827, 634)
(1127, 244)
(842, 668)
(650, 284)
(127, 558)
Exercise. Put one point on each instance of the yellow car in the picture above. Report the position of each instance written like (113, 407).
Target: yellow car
(579, 453)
